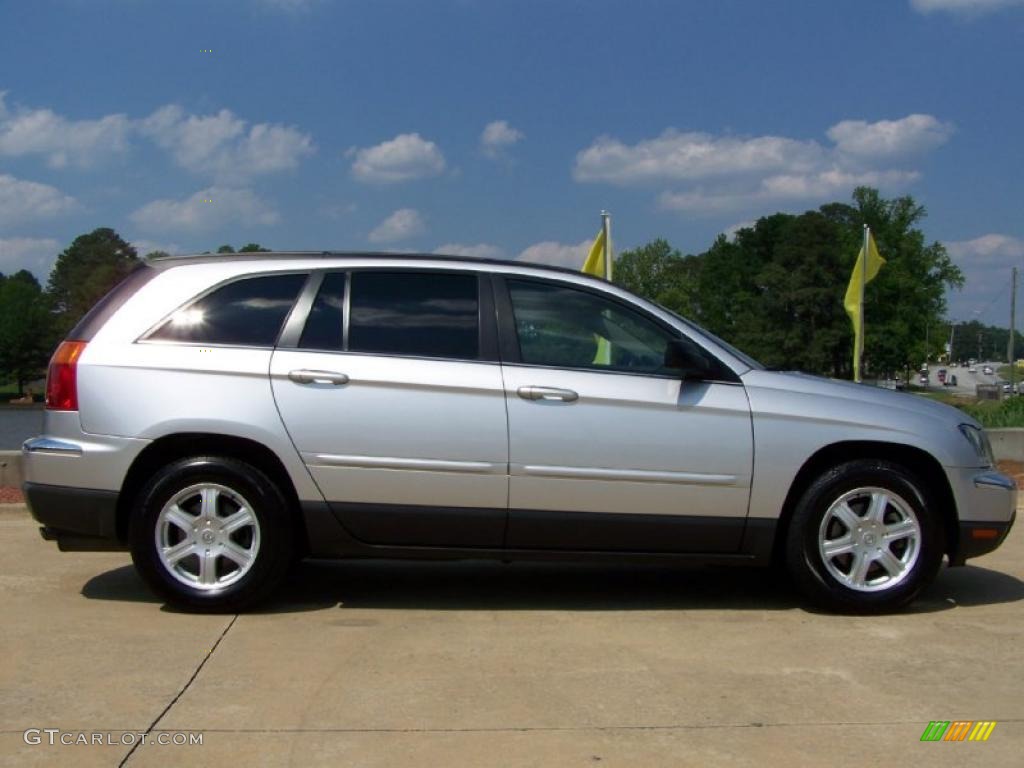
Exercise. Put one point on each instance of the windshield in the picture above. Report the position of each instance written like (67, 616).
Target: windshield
(740, 355)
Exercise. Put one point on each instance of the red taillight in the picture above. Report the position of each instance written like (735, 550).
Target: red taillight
(62, 377)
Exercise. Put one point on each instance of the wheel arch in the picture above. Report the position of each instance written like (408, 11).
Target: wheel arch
(169, 448)
(918, 462)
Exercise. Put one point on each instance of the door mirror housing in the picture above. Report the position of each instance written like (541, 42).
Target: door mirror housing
(688, 359)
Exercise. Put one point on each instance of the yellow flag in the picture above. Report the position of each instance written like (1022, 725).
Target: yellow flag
(595, 265)
(852, 302)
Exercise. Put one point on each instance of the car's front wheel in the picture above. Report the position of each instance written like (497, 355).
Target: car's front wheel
(863, 538)
(212, 534)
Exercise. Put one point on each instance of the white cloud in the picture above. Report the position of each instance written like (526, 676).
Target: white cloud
(478, 251)
(407, 156)
(205, 210)
(557, 254)
(223, 145)
(727, 173)
(22, 201)
(60, 141)
(888, 138)
(985, 262)
(730, 232)
(400, 225)
(830, 182)
(497, 137)
(675, 156)
(1002, 250)
(962, 6)
(36, 254)
(782, 187)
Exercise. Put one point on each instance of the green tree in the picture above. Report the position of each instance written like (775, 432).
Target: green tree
(26, 328)
(908, 296)
(793, 319)
(253, 248)
(660, 273)
(92, 265)
(225, 249)
(776, 289)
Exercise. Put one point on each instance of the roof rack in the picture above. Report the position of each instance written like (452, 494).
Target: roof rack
(206, 258)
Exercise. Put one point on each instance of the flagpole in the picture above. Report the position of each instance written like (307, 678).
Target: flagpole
(859, 351)
(606, 227)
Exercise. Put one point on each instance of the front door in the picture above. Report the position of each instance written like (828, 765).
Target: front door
(608, 449)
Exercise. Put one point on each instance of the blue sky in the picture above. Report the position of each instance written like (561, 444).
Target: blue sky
(503, 128)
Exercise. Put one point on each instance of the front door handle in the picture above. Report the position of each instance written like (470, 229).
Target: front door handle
(547, 393)
(304, 376)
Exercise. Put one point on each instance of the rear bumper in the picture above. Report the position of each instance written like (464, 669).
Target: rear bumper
(78, 519)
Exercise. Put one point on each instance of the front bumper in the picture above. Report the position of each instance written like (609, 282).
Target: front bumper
(987, 508)
(78, 519)
(977, 539)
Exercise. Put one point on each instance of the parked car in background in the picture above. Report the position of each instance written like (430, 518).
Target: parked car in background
(950, 380)
(987, 370)
(923, 380)
(222, 416)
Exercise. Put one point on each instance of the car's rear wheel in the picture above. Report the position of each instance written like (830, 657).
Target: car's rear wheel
(863, 538)
(211, 533)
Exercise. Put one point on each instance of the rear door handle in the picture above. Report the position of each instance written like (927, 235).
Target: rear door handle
(304, 376)
(547, 393)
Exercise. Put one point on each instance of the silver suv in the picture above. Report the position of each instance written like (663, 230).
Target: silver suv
(223, 416)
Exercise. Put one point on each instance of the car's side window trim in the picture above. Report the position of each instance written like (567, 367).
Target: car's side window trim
(144, 337)
(509, 338)
(346, 311)
(296, 320)
(487, 319)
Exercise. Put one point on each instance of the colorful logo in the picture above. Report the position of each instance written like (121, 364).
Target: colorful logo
(958, 730)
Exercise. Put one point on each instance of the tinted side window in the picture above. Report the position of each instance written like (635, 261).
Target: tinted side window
(415, 313)
(325, 325)
(95, 318)
(247, 312)
(569, 328)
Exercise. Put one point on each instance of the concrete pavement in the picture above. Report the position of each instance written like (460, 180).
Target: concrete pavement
(483, 664)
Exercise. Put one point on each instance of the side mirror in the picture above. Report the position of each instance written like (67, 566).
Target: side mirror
(688, 359)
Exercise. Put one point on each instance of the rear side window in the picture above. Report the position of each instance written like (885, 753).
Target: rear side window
(415, 313)
(246, 312)
(105, 308)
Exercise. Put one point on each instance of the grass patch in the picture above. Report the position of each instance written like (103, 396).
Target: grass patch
(997, 413)
(1003, 372)
(946, 397)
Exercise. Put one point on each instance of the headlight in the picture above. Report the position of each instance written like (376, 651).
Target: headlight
(979, 442)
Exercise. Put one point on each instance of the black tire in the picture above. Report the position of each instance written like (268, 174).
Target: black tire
(806, 564)
(273, 549)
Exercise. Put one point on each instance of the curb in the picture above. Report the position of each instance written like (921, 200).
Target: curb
(10, 468)
(1007, 443)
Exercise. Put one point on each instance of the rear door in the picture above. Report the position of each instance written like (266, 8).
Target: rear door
(392, 394)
